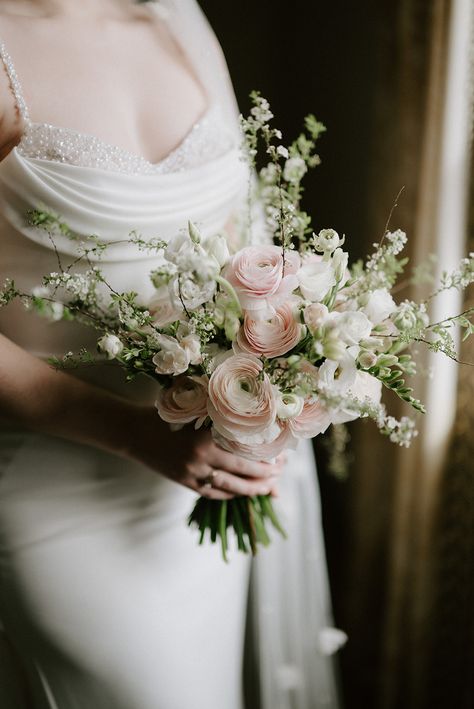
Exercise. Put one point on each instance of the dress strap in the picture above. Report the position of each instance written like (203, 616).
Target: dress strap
(14, 82)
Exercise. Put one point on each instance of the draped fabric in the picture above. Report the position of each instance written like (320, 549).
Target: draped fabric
(422, 115)
(74, 521)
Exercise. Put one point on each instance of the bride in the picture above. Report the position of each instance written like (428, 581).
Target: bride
(121, 116)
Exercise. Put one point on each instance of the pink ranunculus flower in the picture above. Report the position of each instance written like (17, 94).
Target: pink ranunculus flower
(262, 451)
(261, 278)
(313, 420)
(271, 337)
(241, 402)
(184, 401)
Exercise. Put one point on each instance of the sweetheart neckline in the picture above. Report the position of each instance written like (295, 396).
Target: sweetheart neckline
(112, 146)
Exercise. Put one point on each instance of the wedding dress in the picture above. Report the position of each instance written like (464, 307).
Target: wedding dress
(106, 599)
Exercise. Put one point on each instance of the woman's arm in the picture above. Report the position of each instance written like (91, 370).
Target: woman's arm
(35, 396)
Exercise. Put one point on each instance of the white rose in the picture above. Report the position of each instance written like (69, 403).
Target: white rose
(110, 345)
(172, 358)
(294, 169)
(316, 278)
(216, 246)
(352, 326)
(379, 306)
(289, 405)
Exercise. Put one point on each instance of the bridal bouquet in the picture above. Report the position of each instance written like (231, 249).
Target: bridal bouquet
(266, 346)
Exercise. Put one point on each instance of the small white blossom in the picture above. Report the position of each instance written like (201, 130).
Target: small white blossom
(295, 168)
(110, 345)
(281, 150)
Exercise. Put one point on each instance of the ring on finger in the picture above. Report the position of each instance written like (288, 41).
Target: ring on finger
(209, 479)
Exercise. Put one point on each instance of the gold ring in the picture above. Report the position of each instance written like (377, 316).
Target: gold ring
(209, 479)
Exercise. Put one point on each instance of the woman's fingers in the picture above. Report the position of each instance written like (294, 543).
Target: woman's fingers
(209, 491)
(236, 485)
(241, 466)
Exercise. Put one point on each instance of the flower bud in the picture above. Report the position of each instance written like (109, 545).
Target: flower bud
(367, 359)
(387, 360)
(194, 233)
(340, 259)
(110, 345)
(232, 325)
(216, 246)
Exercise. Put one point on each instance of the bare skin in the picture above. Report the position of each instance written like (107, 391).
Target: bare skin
(115, 52)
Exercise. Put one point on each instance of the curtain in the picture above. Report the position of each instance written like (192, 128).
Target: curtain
(390, 81)
(422, 108)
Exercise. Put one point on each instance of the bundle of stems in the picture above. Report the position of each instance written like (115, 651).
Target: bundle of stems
(247, 516)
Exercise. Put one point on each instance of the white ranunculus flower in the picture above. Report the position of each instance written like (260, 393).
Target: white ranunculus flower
(289, 405)
(172, 358)
(110, 345)
(316, 278)
(367, 359)
(352, 326)
(294, 169)
(379, 306)
(216, 246)
(327, 241)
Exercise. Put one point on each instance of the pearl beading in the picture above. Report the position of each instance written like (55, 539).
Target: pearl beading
(207, 139)
(14, 83)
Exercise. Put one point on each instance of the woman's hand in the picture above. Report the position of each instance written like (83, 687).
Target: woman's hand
(193, 459)
(35, 396)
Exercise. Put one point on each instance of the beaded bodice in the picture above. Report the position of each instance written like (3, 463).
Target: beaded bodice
(207, 139)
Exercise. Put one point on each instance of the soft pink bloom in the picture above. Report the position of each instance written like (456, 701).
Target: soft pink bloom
(271, 337)
(163, 310)
(241, 403)
(260, 276)
(314, 316)
(313, 420)
(184, 401)
(262, 451)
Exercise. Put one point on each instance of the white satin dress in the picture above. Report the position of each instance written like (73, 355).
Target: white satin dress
(106, 600)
